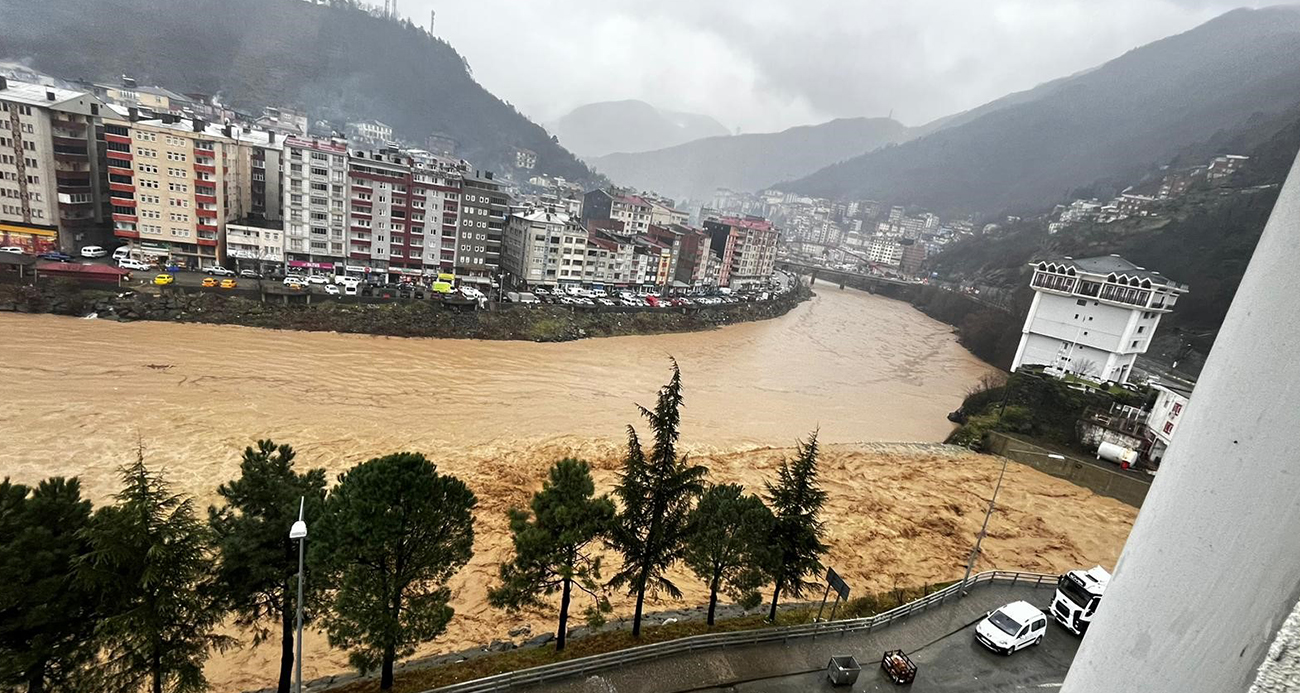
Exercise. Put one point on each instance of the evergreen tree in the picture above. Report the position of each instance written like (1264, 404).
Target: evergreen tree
(656, 494)
(726, 546)
(551, 546)
(46, 617)
(393, 532)
(796, 541)
(149, 557)
(258, 568)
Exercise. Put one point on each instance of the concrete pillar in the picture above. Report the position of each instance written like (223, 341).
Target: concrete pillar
(1212, 568)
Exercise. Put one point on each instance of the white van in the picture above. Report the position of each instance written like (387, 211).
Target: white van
(133, 264)
(93, 251)
(1012, 627)
(122, 252)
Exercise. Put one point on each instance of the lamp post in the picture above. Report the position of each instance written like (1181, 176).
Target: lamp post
(979, 539)
(299, 532)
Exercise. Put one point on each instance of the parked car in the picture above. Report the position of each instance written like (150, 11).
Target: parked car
(317, 279)
(249, 274)
(93, 251)
(605, 301)
(1012, 627)
(219, 271)
(350, 289)
(228, 283)
(16, 250)
(332, 289)
(652, 301)
(163, 279)
(294, 279)
(296, 286)
(133, 264)
(525, 297)
(55, 256)
(541, 291)
(209, 282)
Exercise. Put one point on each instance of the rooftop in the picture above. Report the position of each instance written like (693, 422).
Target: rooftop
(1111, 264)
(38, 94)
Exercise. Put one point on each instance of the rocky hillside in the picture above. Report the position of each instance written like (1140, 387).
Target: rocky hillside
(337, 62)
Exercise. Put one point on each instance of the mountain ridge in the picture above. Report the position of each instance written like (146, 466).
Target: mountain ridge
(629, 125)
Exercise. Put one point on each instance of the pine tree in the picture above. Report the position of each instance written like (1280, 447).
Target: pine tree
(796, 542)
(656, 494)
(551, 546)
(726, 546)
(46, 616)
(150, 558)
(258, 566)
(393, 532)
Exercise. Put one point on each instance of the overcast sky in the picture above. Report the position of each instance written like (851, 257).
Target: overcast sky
(763, 65)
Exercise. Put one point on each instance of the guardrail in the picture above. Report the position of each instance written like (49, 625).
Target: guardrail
(631, 655)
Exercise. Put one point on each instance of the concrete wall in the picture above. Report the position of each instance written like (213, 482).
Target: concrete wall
(1091, 474)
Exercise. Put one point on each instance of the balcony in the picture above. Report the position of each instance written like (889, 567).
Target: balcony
(125, 233)
(204, 199)
(206, 213)
(71, 157)
(115, 187)
(123, 202)
(209, 242)
(205, 168)
(205, 227)
(119, 166)
(126, 217)
(116, 139)
(71, 126)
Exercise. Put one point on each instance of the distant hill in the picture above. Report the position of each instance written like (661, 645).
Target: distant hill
(748, 162)
(1030, 149)
(629, 126)
(339, 63)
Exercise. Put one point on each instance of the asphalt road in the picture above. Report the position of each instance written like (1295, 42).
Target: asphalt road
(940, 640)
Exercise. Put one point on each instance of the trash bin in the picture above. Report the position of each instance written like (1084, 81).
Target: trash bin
(898, 667)
(843, 670)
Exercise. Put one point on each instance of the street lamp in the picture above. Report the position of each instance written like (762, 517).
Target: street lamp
(975, 552)
(299, 532)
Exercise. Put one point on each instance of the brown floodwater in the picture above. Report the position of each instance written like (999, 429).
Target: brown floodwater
(80, 394)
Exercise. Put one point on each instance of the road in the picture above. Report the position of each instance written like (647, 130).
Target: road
(940, 641)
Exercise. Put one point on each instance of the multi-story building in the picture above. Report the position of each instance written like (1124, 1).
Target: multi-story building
(746, 247)
(885, 251)
(1167, 410)
(371, 131)
(1222, 167)
(174, 183)
(255, 244)
(483, 210)
(531, 246)
(52, 187)
(1093, 317)
(314, 191)
(911, 256)
(266, 177)
(693, 259)
(617, 205)
(379, 234)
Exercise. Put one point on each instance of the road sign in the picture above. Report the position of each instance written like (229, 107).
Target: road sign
(837, 583)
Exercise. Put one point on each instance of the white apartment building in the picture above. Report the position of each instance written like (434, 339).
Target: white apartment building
(372, 130)
(314, 189)
(885, 251)
(51, 197)
(1092, 317)
(256, 247)
(531, 245)
(1167, 411)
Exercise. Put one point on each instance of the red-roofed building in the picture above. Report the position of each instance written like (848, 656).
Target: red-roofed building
(72, 270)
(746, 249)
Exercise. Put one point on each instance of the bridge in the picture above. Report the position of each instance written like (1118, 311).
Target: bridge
(841, 277)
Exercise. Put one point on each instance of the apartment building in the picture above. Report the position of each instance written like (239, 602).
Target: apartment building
(694, 259)
(531, 246)
(174, 184)
(885, 251)
(314, 193)
(483, 210)
(255, 244)
(746, 248)
(52, 190)
(617, 205)
(1093, 316)
(372, 131)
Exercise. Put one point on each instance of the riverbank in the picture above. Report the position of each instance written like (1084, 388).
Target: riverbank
(394, 318)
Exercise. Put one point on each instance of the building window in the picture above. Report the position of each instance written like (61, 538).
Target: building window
(1169, 428)
(1135, 344)
(1178, 408)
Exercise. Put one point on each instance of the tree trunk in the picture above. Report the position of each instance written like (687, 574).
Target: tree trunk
(157, 674)
(713, 598)
(286, 641)
(386, 671)
(776, 594)
(36, 678)
(564, 616)
(636, 618)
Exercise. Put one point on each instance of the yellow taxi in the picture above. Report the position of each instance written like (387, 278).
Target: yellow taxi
(209, 282)
(227, 283)
(163, 280)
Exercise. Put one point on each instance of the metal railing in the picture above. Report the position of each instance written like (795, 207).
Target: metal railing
(586, 665)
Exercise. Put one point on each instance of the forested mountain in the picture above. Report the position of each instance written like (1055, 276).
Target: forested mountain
(337, 62)
(1204, 238)
(748, 162)
(629, 126)
(1031, 149)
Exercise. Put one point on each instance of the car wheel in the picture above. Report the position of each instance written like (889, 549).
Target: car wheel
(1039, 640)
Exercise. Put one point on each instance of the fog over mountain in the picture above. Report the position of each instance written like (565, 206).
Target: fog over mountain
(629, 126)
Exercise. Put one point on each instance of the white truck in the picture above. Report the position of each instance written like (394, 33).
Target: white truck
(1078, 593)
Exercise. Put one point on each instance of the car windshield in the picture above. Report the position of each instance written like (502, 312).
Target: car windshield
(1073, 591)
(1005, 623)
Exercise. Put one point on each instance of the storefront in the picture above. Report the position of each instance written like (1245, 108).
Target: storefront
(33, 239)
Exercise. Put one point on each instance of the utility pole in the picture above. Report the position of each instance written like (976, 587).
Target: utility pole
(299, 532)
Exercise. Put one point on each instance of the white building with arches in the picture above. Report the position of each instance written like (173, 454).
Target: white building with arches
(1092, 317)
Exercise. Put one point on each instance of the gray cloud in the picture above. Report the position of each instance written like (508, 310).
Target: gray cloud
(763, 65)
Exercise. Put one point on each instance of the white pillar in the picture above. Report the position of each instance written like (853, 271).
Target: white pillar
(1212, 567)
